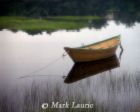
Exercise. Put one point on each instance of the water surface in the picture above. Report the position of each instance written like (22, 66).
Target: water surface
(27, 58)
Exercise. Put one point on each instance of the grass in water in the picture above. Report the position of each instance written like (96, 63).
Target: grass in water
(29, 98)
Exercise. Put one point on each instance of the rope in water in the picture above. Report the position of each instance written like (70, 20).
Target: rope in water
(28, 76)
(44, 67)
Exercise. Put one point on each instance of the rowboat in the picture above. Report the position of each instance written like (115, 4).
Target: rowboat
(84, 70)
(94, 51)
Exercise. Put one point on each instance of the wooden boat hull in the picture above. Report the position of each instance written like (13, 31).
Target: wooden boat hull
(80, 55)
(88, 54)
(86, 69)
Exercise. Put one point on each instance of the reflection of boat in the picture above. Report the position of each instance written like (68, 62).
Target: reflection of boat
(96, 51)
(86, 69)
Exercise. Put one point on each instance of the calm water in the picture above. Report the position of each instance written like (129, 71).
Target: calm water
(26, 58)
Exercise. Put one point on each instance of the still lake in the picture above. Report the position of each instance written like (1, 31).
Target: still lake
(38, 58)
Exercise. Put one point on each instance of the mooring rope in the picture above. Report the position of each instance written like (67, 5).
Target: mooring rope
(121, 52)
(28, 76)
(44, 67)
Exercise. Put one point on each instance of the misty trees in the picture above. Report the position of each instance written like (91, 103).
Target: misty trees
(44, 8)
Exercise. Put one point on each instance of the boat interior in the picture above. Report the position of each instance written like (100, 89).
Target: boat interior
(104, 44)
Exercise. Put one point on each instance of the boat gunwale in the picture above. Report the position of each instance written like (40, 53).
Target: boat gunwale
(81, 48)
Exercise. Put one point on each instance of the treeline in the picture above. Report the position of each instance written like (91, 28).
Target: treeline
(44, 8)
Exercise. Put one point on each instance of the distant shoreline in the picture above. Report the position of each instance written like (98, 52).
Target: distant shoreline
(51, 23)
